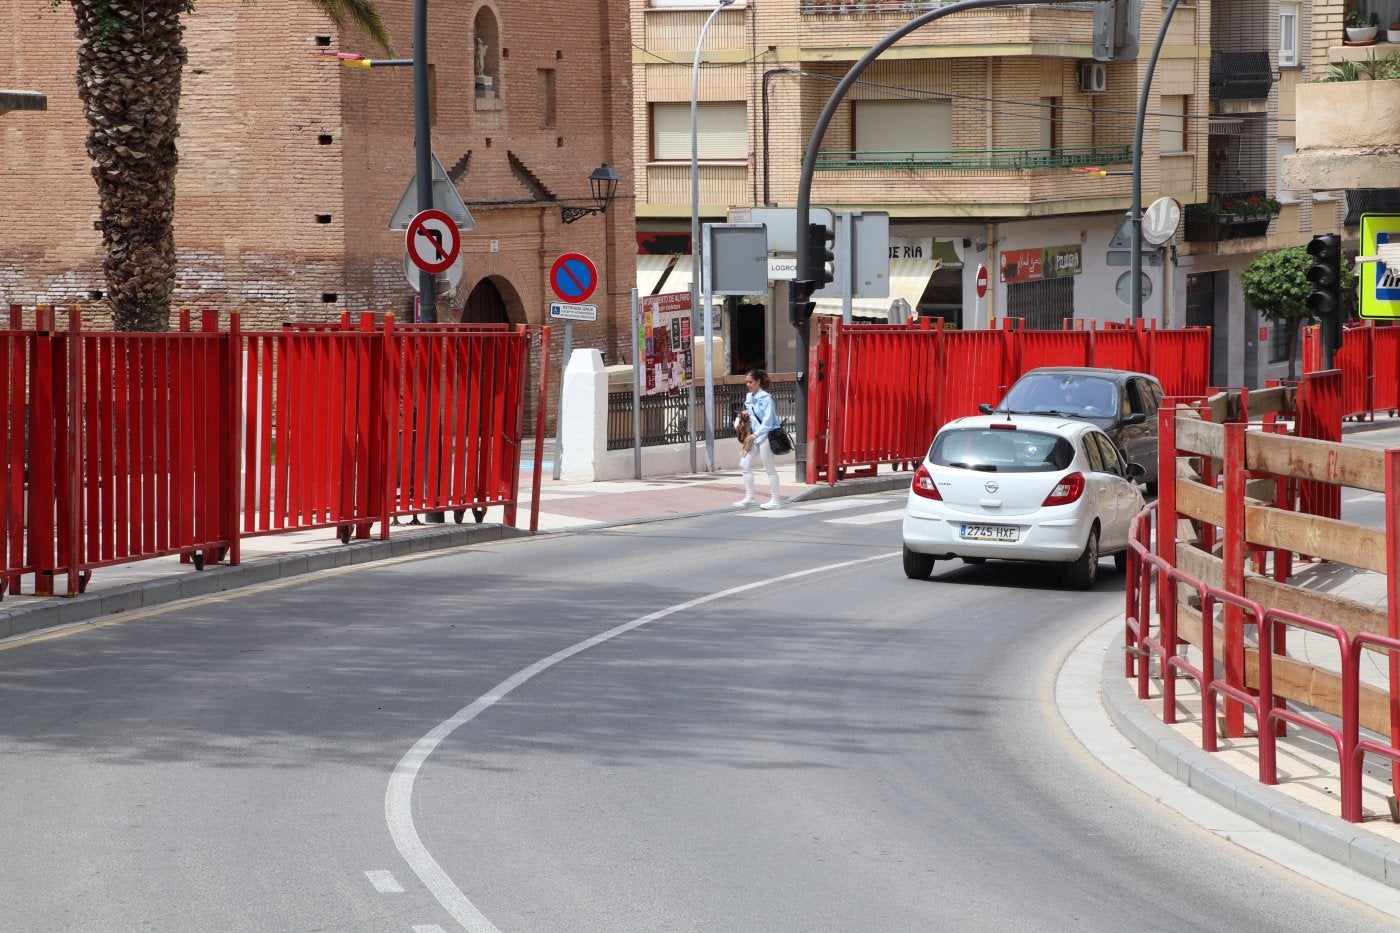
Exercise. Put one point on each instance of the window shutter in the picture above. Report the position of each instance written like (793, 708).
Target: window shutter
(903, 126)
(721, 129)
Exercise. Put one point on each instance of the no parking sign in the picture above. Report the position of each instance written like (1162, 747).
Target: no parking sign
(573, 277)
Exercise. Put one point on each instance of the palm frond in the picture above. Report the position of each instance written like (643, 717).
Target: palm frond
(362, 13)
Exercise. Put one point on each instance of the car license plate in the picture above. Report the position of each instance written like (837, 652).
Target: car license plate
(989, 532)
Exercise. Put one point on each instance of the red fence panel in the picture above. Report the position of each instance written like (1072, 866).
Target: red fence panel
(1385, 363)
(124, 446)
(878, 393)
(1320, 417)
(976, 366)
(1180, 359)
(1120, 348)
(153, 425)
(459, 417)
(1355, 358)
(1052, 348)
(17, 355)
(307, 409)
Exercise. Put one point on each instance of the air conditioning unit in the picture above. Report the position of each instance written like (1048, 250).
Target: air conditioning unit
(1093, 77)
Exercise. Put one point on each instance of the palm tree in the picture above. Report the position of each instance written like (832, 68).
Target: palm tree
(130, 57)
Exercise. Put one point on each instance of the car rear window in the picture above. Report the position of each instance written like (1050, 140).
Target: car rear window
(1001, 451)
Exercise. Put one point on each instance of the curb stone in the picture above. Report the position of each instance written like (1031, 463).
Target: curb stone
(1332, 837)
(64, 610)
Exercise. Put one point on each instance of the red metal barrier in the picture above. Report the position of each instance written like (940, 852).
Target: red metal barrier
(1385, 372)
(125, 446)
(1153, 576)
(1319, 416)
(877, 394)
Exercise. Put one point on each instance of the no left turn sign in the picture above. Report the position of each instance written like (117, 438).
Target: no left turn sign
(433, 241)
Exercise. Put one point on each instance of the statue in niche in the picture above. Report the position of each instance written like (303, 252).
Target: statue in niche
(480, 57)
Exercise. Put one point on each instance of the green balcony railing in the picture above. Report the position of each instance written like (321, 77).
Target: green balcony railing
(973, 159)
(857, 7)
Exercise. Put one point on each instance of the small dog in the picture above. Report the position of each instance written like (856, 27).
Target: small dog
(743, 431)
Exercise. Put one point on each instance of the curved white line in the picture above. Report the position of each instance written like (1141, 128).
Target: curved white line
(398, 799)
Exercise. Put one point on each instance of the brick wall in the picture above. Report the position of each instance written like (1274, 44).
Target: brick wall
(291, 167)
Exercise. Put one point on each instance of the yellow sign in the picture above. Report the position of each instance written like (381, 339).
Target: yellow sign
(1380, 283)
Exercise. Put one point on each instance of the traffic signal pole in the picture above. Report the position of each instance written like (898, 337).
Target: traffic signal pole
(802, 324)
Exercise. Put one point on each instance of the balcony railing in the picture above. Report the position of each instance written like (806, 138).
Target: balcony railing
(857, 7)
(973, 159)
(1240, 75)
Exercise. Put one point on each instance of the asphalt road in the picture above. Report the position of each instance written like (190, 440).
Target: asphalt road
(737, 722)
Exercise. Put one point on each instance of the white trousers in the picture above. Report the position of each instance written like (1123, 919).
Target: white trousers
(746, 469)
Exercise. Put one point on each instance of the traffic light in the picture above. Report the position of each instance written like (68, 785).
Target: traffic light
(1325, 274)
(800, 303)
(821, 258)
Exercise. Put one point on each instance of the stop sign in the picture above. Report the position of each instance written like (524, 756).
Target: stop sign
(981, 281)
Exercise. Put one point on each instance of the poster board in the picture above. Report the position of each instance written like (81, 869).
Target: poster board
(666, 349)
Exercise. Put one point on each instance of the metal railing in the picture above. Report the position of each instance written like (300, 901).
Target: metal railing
(862, 7)
(973, 159)
(664, 419)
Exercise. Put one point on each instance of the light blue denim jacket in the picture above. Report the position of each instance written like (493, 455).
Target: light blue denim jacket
(762, 417)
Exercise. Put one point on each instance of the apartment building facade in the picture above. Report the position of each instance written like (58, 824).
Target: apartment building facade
(977, 134)
(292, 165)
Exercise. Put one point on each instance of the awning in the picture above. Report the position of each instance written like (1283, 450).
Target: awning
(651, 268)
(908, 278)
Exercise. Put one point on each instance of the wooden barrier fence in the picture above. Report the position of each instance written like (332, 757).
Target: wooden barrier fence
(1210, 564)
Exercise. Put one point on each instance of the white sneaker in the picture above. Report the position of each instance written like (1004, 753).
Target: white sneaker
(772, 504)
(745, 503)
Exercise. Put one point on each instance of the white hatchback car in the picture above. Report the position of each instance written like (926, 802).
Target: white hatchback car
(1021, 487)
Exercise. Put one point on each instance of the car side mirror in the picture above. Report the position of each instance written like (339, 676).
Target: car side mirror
(1136, 469)
(986, 408)
(1136, 417)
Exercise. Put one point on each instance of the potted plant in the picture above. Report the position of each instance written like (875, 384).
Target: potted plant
(1392, 32)
(1359, 26)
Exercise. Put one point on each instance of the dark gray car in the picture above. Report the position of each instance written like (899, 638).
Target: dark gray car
(1122, 404)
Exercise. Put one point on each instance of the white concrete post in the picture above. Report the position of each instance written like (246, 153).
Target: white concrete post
(583, 414)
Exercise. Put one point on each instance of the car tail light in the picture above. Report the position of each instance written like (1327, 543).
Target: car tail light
(1067, 490)
(923, 484)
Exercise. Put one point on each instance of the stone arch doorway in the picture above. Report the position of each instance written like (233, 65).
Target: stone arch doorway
(488, 304)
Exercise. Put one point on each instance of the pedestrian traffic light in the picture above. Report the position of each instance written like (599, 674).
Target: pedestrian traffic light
(821, 259)
(800, 303)
(1325, 274)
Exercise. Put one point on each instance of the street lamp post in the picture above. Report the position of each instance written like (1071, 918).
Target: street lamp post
(1135, 217)
(695, 223)
(809, 164)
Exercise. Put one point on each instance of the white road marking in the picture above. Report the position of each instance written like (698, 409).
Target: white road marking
(428, 928)
(874, 518)
(384, 882)
(812, 508)
(398, 798)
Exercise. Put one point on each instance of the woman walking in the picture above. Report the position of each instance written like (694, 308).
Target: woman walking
(762, 419)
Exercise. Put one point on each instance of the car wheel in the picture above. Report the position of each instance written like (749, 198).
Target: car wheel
(917, 566)
(1085, 570)
(1120, 562)
(974, 560)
